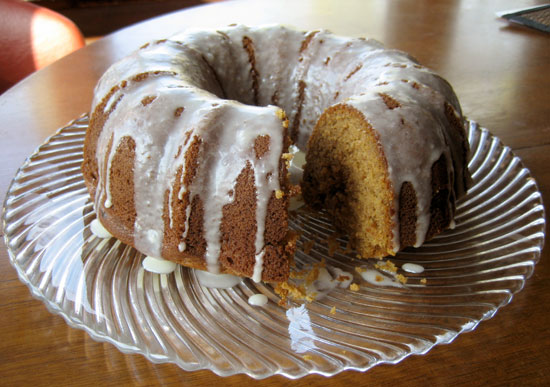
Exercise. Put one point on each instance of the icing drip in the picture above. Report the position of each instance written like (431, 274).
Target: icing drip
(374, 277)
(257, 300)
(182, 246)
(217, 281)
(98, 230)
(258, 267)
(412, 268)
(158, 265)
(327, 281)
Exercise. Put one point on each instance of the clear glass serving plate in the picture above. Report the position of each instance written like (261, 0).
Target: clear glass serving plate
(99, 285)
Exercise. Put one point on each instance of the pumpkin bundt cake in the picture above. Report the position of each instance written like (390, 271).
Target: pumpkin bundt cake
(187, 148)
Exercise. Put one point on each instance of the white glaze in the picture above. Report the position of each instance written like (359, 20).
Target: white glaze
(344, 278)
(158, 265)
(98, 230)
(374, 277)
(218, 281)
(323, 283)
(257, 299)
(258, 266)
(327, 280)
(413, 268)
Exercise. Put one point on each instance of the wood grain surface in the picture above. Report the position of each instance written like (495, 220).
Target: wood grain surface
(501, 75)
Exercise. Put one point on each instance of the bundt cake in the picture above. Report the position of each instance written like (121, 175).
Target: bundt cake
(187, 149)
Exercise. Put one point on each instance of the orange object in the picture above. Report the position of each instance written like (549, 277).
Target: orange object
(32, 37)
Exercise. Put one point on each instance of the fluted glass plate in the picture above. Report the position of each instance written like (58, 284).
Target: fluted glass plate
(99, 285)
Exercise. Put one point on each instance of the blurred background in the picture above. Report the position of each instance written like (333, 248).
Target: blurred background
(96, 18)
(36, 33)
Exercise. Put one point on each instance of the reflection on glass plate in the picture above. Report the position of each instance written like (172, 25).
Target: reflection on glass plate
(99, 285)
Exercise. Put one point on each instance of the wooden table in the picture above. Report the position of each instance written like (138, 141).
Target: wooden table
(501, 75)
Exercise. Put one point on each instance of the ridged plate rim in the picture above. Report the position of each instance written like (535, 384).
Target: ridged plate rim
(487, 153)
